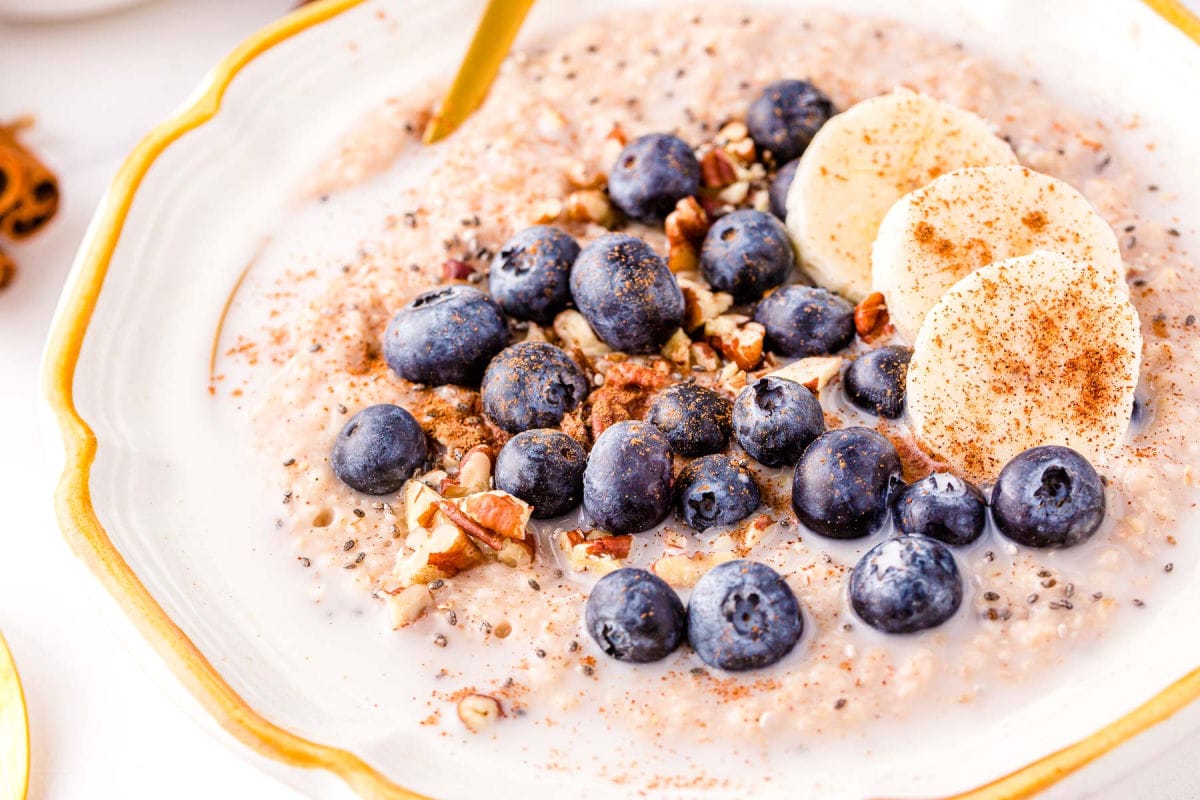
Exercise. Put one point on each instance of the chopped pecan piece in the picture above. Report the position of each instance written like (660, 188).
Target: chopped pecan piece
(716, 169)
(497, 511)
(479, 711)
(871, 317)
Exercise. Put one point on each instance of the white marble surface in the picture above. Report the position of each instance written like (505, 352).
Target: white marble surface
(101, 728)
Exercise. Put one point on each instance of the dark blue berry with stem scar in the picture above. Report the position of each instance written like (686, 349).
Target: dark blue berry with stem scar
(875, 380)
(530, 276)
(627, 293)
(695, 420)
(447, 335)
(943, 507)
(806, 321)
(715, 490)
(906, 584)
(1048, 496)
(784, 118)
(745, 253)
(774, 419)
(843, 481)
(545, 469)
(651, 175)
(779, 188)
(743, 615)
(635, 616)
(378, 449)
(532, 385)
(627, 483)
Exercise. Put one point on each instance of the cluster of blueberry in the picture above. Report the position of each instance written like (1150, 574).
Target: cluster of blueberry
(742, 614)
(846, 483)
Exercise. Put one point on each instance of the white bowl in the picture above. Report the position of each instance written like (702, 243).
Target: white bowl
(158, 495)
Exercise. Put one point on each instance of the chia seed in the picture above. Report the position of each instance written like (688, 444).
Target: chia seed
(533, 584)
(1033, 598)
(839, 704)
(439, 639)
(437, 584)
(348, 546)
(991, 597)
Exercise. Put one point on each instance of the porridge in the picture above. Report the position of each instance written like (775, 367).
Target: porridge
(592, 409)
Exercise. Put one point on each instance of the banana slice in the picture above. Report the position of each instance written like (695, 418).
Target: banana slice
(1034, 350)
(861, 162)
(937, 235)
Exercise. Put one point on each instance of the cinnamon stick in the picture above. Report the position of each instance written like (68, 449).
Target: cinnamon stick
(8, 269)
(28, 189)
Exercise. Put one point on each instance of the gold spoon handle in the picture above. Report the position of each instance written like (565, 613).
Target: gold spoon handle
(14, 730)
(493, 38)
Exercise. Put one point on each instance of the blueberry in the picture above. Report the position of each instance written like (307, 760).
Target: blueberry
(545, 469)
(875, 380)
(447, 335)
(627, 483)
(652, 174)
(745, 253)
(779, 188)
(715, 490)
(785, 116)
(906, 584)
(806, 321)
(530, 275)
(532, 385)
(635, 616)
(843, 481)
(627, 293)
(695, 420)
(943, 507)
(1048, 497)
(742, 615)
(378, 449)
(774, 419)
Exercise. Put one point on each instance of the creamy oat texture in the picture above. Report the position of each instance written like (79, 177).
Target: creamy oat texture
(545, 133)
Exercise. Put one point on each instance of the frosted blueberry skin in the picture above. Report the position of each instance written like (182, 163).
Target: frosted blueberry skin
(530, 276)
(943, 507)
(695, 420)
(742, 615)
(633, 615)
(775, 419)
(715, 490)
(875, 381)
(651, 175)
(545, 469)
(532, 385)
(906, 584)
(745, 253)
(784, 118)
(843, 482)
(1048, 496)
(627, 293)
(779, 188)
(446, 335)
(627, 483)
(805, 321)
(378, 449)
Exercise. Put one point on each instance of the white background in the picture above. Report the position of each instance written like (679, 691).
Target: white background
(100, 727)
